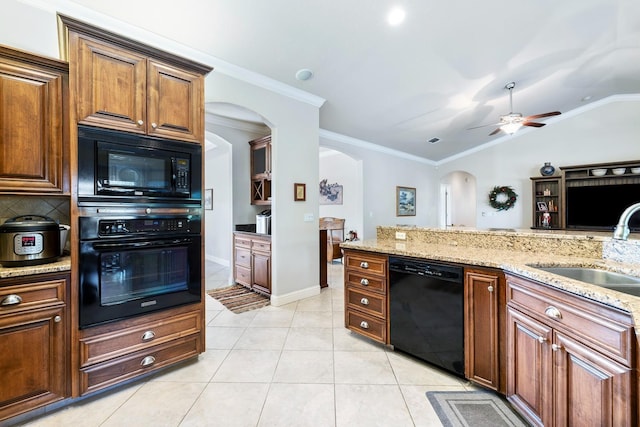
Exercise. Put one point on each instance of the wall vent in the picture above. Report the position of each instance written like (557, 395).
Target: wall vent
(434, 140)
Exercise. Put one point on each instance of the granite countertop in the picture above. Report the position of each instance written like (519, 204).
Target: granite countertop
(62, 264)
(520, 262)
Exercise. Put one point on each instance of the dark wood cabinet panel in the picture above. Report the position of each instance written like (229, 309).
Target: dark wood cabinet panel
(261, 171)
(34, 343)
(485, 325)
(33, 128)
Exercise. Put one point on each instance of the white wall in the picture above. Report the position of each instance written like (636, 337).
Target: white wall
(462, 206)
(339, 168)
(606, 133)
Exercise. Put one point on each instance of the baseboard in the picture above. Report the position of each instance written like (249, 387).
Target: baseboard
(221, 261)
(295, 296)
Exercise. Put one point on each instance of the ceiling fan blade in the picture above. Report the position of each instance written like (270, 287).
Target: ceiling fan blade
(495, 131)
(483, 126)
(539, 116)
(533, 124)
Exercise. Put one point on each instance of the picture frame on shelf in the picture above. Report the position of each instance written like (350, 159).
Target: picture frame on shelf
(299, 192)
(542, 206)
(405, 201)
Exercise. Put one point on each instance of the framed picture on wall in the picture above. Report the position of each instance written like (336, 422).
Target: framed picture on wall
(299, 192)
(405, 201)
(208, 199)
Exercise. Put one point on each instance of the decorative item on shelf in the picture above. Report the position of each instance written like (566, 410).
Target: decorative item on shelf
(547, 169)
(546, 220)
(635, 170)
(546, 192)
(502, 198)
(598, 172)
(618, 171)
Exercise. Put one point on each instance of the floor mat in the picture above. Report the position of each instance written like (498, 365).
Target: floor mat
(473, 408)
(239, 299)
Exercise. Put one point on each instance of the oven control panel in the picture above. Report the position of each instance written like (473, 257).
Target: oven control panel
(110, 227)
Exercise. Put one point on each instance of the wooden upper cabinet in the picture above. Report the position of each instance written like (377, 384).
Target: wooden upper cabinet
(33, 137)
(125, 85)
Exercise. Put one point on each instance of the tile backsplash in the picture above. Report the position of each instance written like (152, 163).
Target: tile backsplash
(56, 208)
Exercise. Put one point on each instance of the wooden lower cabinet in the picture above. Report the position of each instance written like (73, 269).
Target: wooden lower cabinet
(252, 261)
(366, 294)
(569, 359)
(485, 327)
(34, 343)
(112, 353)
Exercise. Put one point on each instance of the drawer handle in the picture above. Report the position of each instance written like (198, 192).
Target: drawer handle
(12, 299)
(556, 347)
(140, 122)
(149, 335)
(364, 264)
(542, 340)
(364, 325)
(364, 282)
(490, 288)
(57, 319)
(148, 361)
(553, 312)
(364, 301)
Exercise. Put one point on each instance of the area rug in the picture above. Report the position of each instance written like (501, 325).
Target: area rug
(239, 299)
(473, 408)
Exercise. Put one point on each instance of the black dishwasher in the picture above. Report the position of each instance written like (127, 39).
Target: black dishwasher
(426, 311)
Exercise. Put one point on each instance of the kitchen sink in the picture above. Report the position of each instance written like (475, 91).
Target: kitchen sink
(606, 279)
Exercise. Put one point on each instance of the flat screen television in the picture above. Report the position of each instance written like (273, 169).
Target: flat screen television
(599, 207)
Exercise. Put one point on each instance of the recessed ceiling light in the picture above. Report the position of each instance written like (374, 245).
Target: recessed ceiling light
(396, 16)
(304, 74)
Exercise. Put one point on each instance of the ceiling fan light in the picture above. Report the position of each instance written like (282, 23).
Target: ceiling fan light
(511, 128)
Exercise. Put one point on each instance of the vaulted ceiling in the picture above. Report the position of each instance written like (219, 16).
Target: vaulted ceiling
(437, 74)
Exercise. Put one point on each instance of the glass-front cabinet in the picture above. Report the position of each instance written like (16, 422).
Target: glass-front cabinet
(261, 171)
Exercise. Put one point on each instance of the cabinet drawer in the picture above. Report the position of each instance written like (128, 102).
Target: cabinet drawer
(366, 325)
(242, 241)
(114, 371)
(363, 281)
(243, 275)
(101, 347)
(375, 305)
(608, 330)
(366, 263)
(243, 257)
(18, 298)
(260, 245)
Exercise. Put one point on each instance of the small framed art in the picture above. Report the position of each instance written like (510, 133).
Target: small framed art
(405, 201)
(299, 192)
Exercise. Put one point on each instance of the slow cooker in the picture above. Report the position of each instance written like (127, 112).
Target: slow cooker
(29, 240)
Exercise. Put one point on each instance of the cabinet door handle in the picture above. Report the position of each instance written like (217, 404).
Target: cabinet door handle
(148, 335)
(490, 288)
(556, 347)
(154, 125)
(364, 301)
(148, 361)
(364, 264)
(364, 325)
(12, 299)
(57, 319)
(140, 122)
(364, 282)
(553, 312)
(542, 340)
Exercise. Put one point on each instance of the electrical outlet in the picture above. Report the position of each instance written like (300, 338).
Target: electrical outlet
(401, 235)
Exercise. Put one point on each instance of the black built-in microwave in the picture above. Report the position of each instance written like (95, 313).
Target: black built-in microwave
(121, 167)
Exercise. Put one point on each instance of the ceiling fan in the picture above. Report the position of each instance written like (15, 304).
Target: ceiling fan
(510, 123)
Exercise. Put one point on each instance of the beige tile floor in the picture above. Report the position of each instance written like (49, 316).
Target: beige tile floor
(294, 365)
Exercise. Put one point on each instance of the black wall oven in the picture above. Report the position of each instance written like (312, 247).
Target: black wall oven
(132, 264)
(120, 167)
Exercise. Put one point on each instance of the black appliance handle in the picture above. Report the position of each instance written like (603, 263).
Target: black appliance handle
(147, 244)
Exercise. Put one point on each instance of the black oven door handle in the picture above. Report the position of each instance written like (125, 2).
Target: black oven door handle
(137, 245)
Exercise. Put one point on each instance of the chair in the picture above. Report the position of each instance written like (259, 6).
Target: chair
(335, 236)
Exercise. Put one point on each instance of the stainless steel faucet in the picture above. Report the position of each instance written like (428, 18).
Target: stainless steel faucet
(621, 231)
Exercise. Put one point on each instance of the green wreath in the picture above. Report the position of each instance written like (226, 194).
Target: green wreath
(511, 198)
